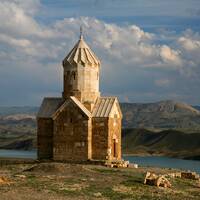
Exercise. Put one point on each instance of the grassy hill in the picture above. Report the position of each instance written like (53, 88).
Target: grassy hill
(197, 107)
(163, 115)
(169, 143)
(18, 131)
(63, 181)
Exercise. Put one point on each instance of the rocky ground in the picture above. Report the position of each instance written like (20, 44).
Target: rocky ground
(74, 181)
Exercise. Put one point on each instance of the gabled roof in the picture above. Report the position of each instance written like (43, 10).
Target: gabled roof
(76, 102)
(48, 107)
(51, 107)
(81, 53)
(81, 106)
(104, 105)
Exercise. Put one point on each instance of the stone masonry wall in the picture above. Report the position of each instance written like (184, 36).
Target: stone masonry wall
(114, 138)
(82, 82)
(72, 135)
(45, 138)
(99, 138)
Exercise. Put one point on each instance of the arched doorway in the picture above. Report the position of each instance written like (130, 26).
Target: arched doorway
(114, 148)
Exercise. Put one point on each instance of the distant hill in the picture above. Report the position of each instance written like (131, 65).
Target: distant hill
(169, 143)
(12, 110)
(164, 114)
(18, 128)
(197, 107)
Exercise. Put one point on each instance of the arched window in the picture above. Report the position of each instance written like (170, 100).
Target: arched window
(74, 75)
(115, 120)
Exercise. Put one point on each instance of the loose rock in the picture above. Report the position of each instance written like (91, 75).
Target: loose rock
(4, 181)
(20, 176)
(190, 175)
(156, 180)
(117, 164)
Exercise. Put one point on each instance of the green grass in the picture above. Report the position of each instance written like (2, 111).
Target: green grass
(106, 171)
(105, 192)
(93, 182)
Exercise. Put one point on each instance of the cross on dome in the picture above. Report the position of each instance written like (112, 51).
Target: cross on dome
(81, 32)
(81, 53)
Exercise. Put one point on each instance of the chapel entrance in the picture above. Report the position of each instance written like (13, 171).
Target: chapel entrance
(114, 148)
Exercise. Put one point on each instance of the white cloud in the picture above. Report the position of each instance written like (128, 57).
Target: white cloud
(127, 52)
(28, 6)
(15, 21)
(189, 44)
(170, 56)
(14, 42)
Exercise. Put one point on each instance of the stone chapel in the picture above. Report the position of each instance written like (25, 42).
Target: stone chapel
(81, 125)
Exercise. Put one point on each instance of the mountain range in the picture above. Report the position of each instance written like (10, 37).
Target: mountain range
(164, 128)
(197, 107)
(161, 115)
(170, 143)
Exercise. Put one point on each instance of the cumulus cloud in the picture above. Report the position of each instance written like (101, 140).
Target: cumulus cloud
(34, 51)
(15, 20)
(189, 44)
(170, 56)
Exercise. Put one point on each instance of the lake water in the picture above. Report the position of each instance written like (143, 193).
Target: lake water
(157, 161)
(17, 154)
(153, 161)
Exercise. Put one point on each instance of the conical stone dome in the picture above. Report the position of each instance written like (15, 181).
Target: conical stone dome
(82, 54)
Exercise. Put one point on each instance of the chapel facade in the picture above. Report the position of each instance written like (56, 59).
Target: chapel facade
(81, 125)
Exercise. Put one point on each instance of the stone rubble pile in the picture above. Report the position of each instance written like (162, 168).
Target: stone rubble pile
(117, 164)
(186, 175)
(156, 180)
(20, 176)
(190, 175)
(162, 181)
(4, 181)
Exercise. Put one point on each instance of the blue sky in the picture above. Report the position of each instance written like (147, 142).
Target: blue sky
(149, 49)
(148, 14)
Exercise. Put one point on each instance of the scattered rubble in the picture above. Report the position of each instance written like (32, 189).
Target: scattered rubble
(174, 175)
(156, 180)
(4, 181)
(117, 164)
(162, 181)
(20, 176)
(98, 194)
(187, 175)
(190, 175)
(133, 165)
